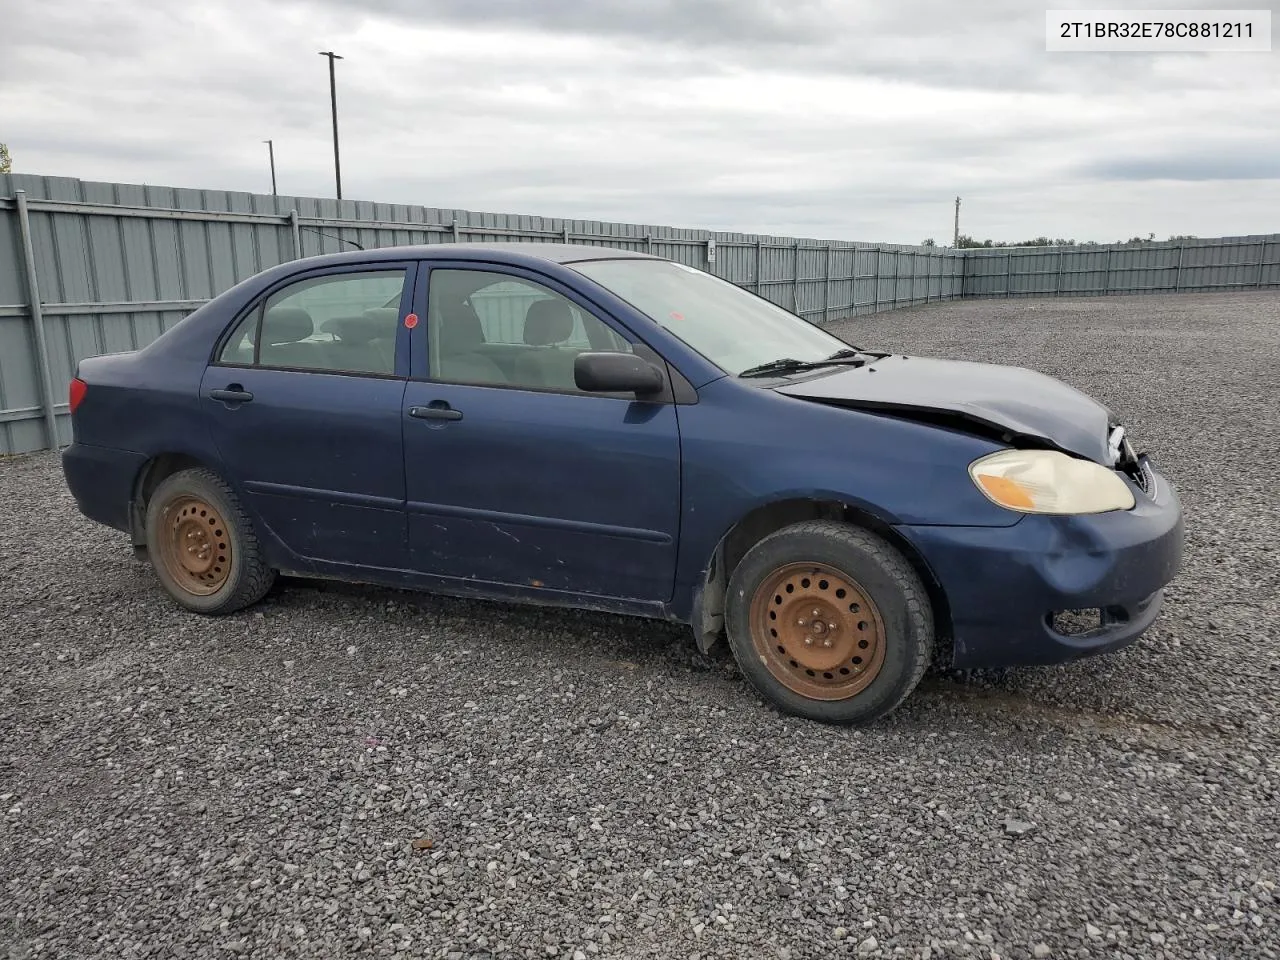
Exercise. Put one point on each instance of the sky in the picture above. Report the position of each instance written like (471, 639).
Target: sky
(832, 119)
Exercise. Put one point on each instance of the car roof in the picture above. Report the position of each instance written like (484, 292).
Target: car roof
(513, 251)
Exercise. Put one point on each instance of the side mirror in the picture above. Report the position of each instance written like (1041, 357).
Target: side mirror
(617, 373)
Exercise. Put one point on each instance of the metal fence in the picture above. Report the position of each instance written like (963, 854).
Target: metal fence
(1179, 266)
(90, 268)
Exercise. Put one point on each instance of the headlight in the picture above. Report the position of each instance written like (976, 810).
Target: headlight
(1046, 481)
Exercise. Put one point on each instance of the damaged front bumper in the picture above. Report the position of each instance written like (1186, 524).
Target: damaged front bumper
(1017, 595)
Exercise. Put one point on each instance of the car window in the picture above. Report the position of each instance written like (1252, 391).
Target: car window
(495, 329)
(730, 326)
(339, 322)
(503, 307)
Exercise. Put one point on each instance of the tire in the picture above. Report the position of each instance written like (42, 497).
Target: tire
(202, 544)
(829, 622)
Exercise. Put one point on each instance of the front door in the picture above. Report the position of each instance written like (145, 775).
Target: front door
(303, 402)
(513, 475)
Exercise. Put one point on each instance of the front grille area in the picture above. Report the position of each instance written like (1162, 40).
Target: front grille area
(1140, 472)
(1134, 467)
(1076, 623)
(1091, 621)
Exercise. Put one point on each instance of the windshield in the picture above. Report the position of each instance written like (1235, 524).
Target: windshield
(732, 328)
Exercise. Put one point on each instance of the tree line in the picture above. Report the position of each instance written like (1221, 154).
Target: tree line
(968, 242)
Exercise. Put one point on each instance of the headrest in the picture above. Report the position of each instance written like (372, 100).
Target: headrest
(384, 320)
(458, 328)
(548, 322)
(376, 323)
(286, 325)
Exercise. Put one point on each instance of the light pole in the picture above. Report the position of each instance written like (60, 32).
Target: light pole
(271, 152)
(333, 102)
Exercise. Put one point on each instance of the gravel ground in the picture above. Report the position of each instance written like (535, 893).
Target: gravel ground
(590, 786)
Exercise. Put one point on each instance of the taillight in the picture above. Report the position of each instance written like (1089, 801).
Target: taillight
(78, 390)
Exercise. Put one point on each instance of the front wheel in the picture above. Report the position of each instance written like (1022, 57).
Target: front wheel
(829, 622)
(202, 544)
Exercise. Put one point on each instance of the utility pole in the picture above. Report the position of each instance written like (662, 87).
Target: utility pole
(271, 152)
(333, 103)
(956, 243)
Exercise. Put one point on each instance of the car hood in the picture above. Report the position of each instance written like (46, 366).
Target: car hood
(1006, 400)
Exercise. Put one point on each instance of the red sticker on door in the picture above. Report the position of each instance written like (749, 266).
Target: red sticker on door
(411, 321)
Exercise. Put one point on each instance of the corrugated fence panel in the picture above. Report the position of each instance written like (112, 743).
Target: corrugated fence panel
(1175, 266)
(18, 390)
(117, 264)
(1269, 264)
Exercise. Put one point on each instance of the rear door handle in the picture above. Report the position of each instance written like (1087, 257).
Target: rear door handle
(232, 394)
(436, 410)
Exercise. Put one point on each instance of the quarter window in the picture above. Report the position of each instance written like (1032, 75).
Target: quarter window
(339, 323)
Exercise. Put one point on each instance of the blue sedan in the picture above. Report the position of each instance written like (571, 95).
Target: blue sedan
(588, 427)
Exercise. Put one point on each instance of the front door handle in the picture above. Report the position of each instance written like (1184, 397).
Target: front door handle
(435, 410)
(232, 394)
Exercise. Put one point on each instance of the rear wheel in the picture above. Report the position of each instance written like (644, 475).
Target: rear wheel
(829, 622)
(202, 545)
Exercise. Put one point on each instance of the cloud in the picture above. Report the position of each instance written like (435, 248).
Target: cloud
(1242, 155)
(710, 23)
(997, 44)
(829, 118)
(1190, 167)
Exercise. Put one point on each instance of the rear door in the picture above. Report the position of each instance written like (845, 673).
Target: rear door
(303, 400)
(515, 476)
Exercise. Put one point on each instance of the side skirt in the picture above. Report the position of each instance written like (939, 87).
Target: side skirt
(480, 590)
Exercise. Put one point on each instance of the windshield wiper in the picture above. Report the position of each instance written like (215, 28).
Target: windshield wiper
(847, 357)
(846, 352)
(858, 352)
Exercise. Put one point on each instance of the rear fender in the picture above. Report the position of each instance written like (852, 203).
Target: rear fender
(156, 469)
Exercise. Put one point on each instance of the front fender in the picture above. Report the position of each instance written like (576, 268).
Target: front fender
(745, 447)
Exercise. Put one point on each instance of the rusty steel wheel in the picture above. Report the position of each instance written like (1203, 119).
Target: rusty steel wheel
(829, 621)
(194, 546)
(817, 631)
(203, 545)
